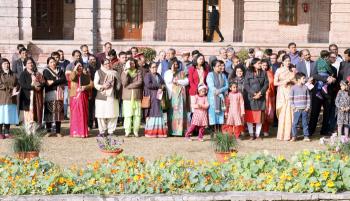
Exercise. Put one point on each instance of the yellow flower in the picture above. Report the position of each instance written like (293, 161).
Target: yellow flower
(61, 180)
(317, 184)
(318, 157)
(325, 174)
(216, 163)
(136, 177)
(162, 165)
(306, 152)
(311, 169)
(36, 164)
(280, 158)
(233, 154)
(330, 184)
(49, 189)
(33, 182)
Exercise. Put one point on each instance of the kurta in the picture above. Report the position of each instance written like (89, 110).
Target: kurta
(284, 112)
(200, 115)
(270, 98)
(31, 100)
(177, 95)
(8, 107)
(215, 117)
(342, 101)
(236, 109)
(155, 125)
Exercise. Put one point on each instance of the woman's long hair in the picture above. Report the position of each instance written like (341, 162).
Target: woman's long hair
(3, 60)
(252, 63)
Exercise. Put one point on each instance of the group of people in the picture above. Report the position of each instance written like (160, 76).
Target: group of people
(178, 97)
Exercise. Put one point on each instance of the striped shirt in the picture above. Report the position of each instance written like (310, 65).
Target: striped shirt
(299, 97)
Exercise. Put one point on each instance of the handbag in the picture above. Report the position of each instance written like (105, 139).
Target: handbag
(59, 93)
(165, 101)
(146, 102)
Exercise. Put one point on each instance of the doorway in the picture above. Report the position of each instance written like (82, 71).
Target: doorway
(207, 8)
(127, 19)
(47, 20)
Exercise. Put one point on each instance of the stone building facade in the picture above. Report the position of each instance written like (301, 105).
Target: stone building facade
(46, 25)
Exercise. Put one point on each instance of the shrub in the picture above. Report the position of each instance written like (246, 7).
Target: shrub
(149, 53)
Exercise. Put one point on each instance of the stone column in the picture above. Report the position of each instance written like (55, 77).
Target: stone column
(185, 21)
(149, 19)
(340, 22)
(25, 20)
(105, 30)
(261, 20)
(83, 21)
(227, 19)
(9, 29)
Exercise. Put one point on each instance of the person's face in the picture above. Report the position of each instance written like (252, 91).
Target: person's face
(134, 52)
(132, 65)
(122, 58)
(77, 56)
(128, 56)
(61, 56)
(222, 68)
(223, 54)
(343, 87)
(170, 54)
(239, 72)
(92, 61)
(306, 55)
(30, 65)
(162, 56)
(293, 49)
(52, 63)
(23, 54)
(57, 57)
(230, 55)
(200, 60)
(153, 69)
(234, 88)
(346, 57)
(235, 61)
(186, 57)
(107, 64)
(85, 51)
(332, 58)
(302, 80)
(264, 66)
(257, 66)
(202, 92)
(175, 67)
(5, 66)
(80, 68)
(273, 59)
(286, 62)
(108, 48)
(334, 50)
(217, 67)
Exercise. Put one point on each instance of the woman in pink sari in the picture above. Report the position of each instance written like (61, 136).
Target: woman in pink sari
(81, 84)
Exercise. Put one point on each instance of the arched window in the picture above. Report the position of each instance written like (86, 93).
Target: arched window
(288, 12)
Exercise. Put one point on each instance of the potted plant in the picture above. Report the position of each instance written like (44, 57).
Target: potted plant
(224, 144)
(27, 141)
(109, 145)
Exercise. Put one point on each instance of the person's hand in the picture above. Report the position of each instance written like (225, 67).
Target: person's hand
(306, 110)
(310, 80)
(76, 67)
(37, 88)
(199, 106)
(330, 80)
(226, 115)
(83, 88)
(106, 85)
(243, 119)
(50, 82)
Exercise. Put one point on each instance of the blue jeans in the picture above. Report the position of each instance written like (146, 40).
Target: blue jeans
(65, 100)
(304, 118)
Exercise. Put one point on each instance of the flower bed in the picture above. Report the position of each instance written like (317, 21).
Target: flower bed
(307, 171)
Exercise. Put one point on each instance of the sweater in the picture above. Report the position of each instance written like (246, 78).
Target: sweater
(299, 97)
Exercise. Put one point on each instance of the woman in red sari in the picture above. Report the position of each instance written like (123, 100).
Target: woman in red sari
(81, 84)
(270, 98)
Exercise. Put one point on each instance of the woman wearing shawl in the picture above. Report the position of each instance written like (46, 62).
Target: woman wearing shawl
(31, 95)
(176, 82)
(55, 81)
(107, 84)
(81, 84)
(218, 86)
(132, 81)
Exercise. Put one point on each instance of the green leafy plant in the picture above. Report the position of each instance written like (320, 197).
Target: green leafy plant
(224, 142)
(27, 138)
(149, 53)
(242, 54)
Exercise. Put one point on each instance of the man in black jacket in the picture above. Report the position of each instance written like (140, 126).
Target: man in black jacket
(344, 69)
(214, 24)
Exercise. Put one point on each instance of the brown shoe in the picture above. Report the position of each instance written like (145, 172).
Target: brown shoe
(293, 139)
(59, 135)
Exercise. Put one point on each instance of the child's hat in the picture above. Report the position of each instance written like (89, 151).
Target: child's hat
(202, 86)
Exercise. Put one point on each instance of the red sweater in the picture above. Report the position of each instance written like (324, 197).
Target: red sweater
(194, 79)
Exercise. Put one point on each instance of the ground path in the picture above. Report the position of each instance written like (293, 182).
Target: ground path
(67, 151)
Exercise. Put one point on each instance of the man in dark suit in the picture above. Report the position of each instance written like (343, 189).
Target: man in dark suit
(214, 24)
(344, 68)
(17, 66)
(306, 65)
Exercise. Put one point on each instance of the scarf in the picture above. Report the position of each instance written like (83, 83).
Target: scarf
(323, 66)
(218, 83)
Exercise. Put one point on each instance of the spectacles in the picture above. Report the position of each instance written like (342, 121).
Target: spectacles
(333, 57)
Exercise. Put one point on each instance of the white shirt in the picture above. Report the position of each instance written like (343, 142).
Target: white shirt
(308, 68)
(337, 62)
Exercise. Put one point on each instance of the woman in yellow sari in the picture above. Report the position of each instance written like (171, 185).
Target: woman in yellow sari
(284, 79)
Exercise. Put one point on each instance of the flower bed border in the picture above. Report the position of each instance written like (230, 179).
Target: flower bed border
(222, 196)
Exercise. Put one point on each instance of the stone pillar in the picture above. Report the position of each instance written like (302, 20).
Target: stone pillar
(340, 20)
(261, 18)
(105, 30)
(83, 21)
(149, 19)
(185, 21)
(25, 20)
(9, 29)
(227, 19)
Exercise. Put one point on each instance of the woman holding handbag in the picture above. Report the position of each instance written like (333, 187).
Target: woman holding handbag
(53, 111)
(153, 88)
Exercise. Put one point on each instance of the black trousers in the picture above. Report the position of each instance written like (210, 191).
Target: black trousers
(212, 29)
(57, 126)
(6, 129)
(92, 118)
(315, 111)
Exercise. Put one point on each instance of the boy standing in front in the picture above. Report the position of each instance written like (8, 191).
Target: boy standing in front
(300, 103)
